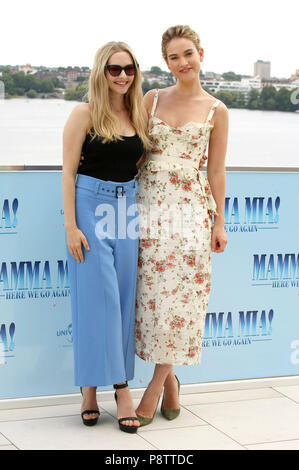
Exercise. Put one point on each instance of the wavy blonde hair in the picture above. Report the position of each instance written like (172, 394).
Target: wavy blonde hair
(179, 31)
(103, 119)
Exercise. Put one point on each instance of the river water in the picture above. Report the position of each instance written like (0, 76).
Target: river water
(31, 133)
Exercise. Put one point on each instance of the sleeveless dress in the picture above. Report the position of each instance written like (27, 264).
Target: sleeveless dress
(176, 206)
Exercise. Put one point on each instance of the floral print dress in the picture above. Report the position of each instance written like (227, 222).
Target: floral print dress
(176, 206)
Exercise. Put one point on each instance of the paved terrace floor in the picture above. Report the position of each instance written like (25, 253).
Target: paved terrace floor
(253, 418)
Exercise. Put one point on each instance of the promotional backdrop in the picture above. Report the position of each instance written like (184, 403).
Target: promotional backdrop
(252, 322)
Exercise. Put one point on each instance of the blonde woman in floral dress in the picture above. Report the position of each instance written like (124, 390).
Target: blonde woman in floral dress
(176, 206)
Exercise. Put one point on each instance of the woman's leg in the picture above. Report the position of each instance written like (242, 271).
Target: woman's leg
(125, 406)
(154, 389)
(126, 262)
(171, 396)
(89, 401)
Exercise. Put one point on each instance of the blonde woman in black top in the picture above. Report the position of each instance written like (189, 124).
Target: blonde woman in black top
(101, 221)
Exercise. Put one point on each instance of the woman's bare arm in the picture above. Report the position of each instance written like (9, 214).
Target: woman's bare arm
(216, 160)
(73, 137)
(148, 100)
(148, 103)
(216, 175)
(74, 134)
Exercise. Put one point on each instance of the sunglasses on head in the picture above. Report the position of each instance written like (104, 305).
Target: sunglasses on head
(116, 70)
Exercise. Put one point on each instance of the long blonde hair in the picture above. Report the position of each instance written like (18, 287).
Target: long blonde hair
(179, 31)
(103, 119)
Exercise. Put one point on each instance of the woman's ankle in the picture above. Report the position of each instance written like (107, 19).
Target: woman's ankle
(170, 380)
(89, 390)
(155, 388)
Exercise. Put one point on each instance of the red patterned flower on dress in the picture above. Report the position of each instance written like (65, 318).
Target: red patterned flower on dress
(190, 259)
(199, 278)
(160, 267)
(174, 179)
(177, 322)
(152, 305)
(186, 185)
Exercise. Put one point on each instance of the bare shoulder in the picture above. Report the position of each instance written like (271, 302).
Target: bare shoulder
(80, 115)
(151, 93)
(221, 112)
(220, 120)
(167, 92)
(148, 99)
(82, 111)
(78, 123)
(221, 106)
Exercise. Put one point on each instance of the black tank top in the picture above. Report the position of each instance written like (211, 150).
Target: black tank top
(113, 161)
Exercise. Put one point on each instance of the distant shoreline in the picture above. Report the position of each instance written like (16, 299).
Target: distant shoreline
(52, 98)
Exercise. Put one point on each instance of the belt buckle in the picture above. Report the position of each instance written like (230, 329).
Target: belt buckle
(116, 191)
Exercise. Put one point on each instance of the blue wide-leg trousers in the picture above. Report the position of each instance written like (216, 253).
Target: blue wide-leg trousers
(103, 286)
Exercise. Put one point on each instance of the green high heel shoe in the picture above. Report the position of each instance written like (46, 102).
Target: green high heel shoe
(171, 414)
(144, 420)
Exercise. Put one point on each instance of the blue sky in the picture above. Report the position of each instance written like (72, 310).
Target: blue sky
(234, 34)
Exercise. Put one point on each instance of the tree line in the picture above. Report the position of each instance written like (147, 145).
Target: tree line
(268, 98)
(20, 84)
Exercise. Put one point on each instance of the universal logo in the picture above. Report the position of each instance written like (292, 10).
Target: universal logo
(8, 219)
(66, 334)
(250, 214)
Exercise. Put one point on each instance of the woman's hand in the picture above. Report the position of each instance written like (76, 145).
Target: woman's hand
(202, 161)
(219, 238)
(141, 161)
(74, 238)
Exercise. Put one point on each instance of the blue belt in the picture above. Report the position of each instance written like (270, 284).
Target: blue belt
(109, 188)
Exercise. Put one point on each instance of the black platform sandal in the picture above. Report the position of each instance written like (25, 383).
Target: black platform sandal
(89, 422)
(123, 427)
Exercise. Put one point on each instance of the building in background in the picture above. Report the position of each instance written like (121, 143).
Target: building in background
(244, 85)
(27, 69)
(295, 76)
(72, 76)
(263, 69)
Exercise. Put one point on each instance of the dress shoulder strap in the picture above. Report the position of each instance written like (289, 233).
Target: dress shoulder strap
(212, 110)
(155, 103)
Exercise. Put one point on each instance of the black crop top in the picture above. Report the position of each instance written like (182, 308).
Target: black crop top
(113, 161)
